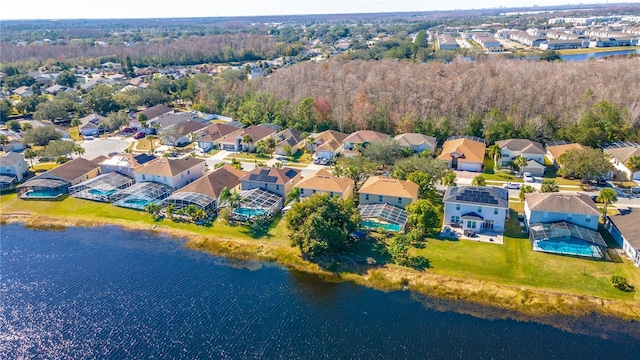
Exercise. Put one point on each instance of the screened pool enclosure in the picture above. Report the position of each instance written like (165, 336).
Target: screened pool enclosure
(139, 195)
(567, 239)
(383, 217)
(102, 187)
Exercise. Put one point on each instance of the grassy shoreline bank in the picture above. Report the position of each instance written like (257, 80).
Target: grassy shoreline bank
(533, 303)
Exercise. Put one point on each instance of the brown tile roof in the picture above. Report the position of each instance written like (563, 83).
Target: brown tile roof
(329, 135)
(522, 145)
(214, 132)
(557, 150)
(365, 136)
(271, 175)
(189, 126)
(413, 139)
(212, 184)
(471, 151)
(256, 132)
(324, 181)
(99, 159)
(289, 137)
(168, 167)
(73, 169)
(378, 185)
(564, 202)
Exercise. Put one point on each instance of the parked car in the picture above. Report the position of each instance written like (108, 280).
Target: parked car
(130, 130)
(528, 177)
(511, 186)
(139, 135)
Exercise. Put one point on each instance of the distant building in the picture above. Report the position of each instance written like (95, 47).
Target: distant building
(384, 190)
(625, 230)
(446, 42)
(417, 142)
(463, 153)
(620, 153)
(13, 168)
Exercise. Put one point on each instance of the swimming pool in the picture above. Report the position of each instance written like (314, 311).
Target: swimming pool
(102, 192)
(375, 225)
(139, 202)
(41, 194)
(568, 248)
(249, 211)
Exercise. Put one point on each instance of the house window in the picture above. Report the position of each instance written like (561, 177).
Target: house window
(143, 177)
(479, 209)
(314, 191)
(455, 219)
(495, 211)
(366, 196)
(457, 206)
(471, 224)
(188, 172)
(301, 191)
(400, 201)
(380, 198)
(331, 194)
(165, 179)
(588, 219)
(277, 187)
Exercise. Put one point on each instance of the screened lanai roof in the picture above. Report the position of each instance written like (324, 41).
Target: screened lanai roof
(186, 197)
(4, 179)
(44, 183)
(141, 194)
(563, 230)
(259, 198)
(101, 187)
(385, 212)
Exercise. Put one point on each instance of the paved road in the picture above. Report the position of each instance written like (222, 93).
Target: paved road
(97, 147)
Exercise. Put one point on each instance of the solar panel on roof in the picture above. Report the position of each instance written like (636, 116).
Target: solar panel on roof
(144, 158)
(291, 173)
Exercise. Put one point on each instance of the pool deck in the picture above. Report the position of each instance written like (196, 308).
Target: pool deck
(455, 233)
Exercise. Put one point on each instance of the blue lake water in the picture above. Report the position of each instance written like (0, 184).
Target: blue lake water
(596, 55)
(110, 293)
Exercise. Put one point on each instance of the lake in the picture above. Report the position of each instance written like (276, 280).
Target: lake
(596, 54)
(111, 293)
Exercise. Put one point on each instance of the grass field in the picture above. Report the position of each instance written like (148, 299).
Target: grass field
(591, 50)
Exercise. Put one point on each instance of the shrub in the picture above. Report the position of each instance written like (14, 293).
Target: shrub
(620, 282)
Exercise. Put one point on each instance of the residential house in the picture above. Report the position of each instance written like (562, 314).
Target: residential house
(90, 124)
(556, 148)
(625, 230)
(155, 111)
(175, 173)
(208, 136)
(362, 138)
(576, 208)
(182, 133)
(14, 141)
(13, 168)
(463, 153)
(417, 142)
(530, 150)
(476, 208)
(323, 181)
(620, 153)
(204, 192)
(124, 163)
(278, 181)
(55, 89)
(289, 137)
(327, 144)
(384, 190)
(235, 140)
(168, 120)
(23, 91)
(56, 182)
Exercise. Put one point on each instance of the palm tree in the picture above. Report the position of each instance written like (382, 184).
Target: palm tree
(633, 163)
(30, 154)
(150, 138)
(520, 162)
(235, 200)
(549, 186)
(224, 195)
(79, 150)
(76, 122)
(271, 144)
(247, 139)
(607, 196)
(495, 152)
(526, 189)
(449, 179)
(293, 195)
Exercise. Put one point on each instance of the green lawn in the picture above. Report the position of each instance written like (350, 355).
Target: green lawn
(248, 157)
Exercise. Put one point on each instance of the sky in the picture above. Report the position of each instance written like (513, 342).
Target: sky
(78, 9)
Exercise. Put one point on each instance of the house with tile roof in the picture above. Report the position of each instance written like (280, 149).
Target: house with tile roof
(327, 144)
(620, 153)
(362, 138)
(235, 140)
(55, 183)
(90, 124)
(204, 192)
(155, 111)
(324, 182)
(625, 230)
(463, 153)
(384, 190)
(576, 208)
(124, 163)
(513, 148)
(182, 133)
(23, 91)
(417, 142)
(289, 137)
(278, 181)
(476, 208)
(207, 137)
(557, 148)
(175, 173)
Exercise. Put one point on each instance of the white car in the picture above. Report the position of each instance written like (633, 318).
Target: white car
(511, 186)
(528, 177)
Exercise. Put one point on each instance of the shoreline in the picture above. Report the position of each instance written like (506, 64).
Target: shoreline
(520, 303)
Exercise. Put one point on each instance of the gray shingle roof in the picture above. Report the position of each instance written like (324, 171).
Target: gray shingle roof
(478, 195)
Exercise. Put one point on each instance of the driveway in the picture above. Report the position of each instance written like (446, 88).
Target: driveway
(97, 147)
